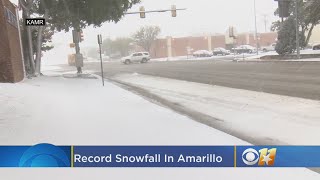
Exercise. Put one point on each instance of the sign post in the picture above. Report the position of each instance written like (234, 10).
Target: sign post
(100, 51)
(297, 29)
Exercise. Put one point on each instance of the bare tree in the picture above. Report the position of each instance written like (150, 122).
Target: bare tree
(145, 36)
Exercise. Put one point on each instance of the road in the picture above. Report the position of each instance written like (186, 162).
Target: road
(298, 79)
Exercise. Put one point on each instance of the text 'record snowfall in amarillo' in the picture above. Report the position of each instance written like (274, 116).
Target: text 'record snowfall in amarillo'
(47, 155)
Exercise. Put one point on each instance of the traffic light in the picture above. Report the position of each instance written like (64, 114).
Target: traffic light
(232, 32)
(174, 11)
(284, 6)
(81, 36)
(72, 45)
(77, 36)
(142, 12)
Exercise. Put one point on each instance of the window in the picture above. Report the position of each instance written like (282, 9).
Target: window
(10, 17)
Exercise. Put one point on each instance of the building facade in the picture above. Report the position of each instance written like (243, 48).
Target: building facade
(315, 38)
(171, 47)
(11, 61)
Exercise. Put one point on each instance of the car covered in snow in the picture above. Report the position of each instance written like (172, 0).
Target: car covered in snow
(244, 49)
(272, 47)
(138, 57)
(202, 53)
(220, 51)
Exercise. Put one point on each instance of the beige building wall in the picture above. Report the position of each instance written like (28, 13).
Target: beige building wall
(315, 38)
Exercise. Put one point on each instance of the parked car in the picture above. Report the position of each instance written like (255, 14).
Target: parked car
(272, 47)
(244, 49)
(221, 51)
(202, 53)
(138, 57)
(316, 47)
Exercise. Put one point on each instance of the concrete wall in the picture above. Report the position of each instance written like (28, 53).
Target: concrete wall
(11, 63)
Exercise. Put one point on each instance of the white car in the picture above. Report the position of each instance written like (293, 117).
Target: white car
(202, 53)
(272, 47)
(138, 57)
(244, 49)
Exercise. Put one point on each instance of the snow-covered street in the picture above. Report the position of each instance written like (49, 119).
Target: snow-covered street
(62, 111)
(265, 118)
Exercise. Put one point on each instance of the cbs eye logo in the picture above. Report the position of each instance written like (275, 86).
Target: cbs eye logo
(264, 157)
(44, 155)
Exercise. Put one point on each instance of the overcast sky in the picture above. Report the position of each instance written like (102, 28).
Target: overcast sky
(201, 17)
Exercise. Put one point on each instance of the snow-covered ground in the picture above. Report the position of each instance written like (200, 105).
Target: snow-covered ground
(262, 54)
(82, 112)
(78, 111)
(263, 116)
(191, 58)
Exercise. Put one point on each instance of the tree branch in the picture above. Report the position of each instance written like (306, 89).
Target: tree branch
(23, 4)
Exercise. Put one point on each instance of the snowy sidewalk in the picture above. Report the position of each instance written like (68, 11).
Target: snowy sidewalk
(82, 112)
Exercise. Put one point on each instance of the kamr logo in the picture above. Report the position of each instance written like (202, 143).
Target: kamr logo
(35, 22)
(265, 157)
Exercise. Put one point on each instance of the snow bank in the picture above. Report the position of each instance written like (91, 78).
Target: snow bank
(191, 58)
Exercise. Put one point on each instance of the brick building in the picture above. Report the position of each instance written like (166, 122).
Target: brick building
(171, 47)
(11, 62)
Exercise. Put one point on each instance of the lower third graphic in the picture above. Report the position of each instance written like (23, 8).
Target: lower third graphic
(44, 155)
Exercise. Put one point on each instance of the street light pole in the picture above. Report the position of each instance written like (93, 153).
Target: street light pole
(256, 28)
(297, 29)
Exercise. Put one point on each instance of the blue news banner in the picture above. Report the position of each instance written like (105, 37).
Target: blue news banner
(48, 155)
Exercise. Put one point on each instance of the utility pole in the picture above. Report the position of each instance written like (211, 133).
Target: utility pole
(297, 29)
(256, 28)
(76, 33)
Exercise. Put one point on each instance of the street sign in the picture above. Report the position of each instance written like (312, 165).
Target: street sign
(99, 39)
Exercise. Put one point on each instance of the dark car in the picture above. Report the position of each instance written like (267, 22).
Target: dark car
(220, 51)
(316, 47)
